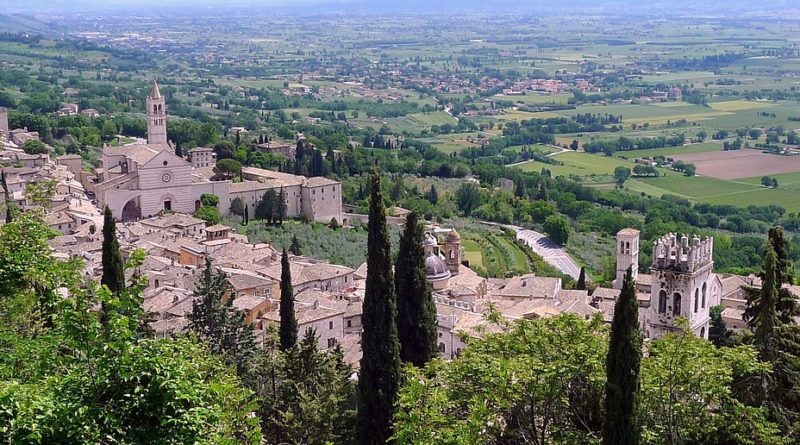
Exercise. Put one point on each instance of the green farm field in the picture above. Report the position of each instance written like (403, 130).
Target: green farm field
(578, 164)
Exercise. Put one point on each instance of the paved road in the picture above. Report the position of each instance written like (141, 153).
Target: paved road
(551, 252)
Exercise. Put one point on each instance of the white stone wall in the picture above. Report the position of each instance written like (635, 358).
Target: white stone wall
(252, 198)
(323, 203)
(327, 328)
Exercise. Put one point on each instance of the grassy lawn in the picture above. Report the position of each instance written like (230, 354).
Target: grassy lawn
(579, 164)
(719, 191)
(738, 105)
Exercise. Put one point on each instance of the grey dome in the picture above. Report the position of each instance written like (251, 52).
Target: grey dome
(436, 268)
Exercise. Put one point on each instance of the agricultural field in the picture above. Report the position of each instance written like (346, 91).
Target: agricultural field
(705, 147)
(743, 163)
(578, 164)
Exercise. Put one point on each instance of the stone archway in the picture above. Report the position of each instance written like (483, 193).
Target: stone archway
(132, 211)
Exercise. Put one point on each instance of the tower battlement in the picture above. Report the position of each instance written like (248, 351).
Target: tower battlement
(679, 254)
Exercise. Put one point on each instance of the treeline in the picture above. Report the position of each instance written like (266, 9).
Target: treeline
(625, 143)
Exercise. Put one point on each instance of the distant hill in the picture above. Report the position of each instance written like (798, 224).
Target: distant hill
(22, 23)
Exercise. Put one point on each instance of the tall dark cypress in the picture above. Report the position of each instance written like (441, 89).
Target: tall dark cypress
(380, 362)
(416, 313)
(9, 202)
(622, 369)
(113, 267)
(581, 284)
(288, 328)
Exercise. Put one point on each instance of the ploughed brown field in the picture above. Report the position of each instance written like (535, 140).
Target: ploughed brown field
(738, 164)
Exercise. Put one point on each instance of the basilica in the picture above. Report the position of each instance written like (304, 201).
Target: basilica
(144, 179)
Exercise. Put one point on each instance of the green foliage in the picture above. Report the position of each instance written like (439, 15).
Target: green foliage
(78, 379)
(208, 214)
(295, 247)
(33, 147)
(209, 199)
(557, 228)
(622, 369)
(288, 327)
(416, 313)
(540, 383)
(380, 363)
(306, 396)
(227, 168)
(113, 267)
(467, 198)
(217, 322)
(237, 207)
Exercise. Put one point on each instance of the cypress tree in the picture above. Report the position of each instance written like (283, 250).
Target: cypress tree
(380, 362)
(113, 268)
(581, 284)
(288, 328)
(622, 369)
(416, 313)
(9, 201)
(762, 312)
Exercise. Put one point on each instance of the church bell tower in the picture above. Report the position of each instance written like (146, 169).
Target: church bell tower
(156, 117)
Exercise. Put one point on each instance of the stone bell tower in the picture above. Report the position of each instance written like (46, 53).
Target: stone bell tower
(627, 255)
(681, 278)
(156, 117)
(452, 250)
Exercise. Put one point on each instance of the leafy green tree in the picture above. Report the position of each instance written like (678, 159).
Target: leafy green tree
(33, 147)
(80, 380)
(288, 327)
(688, 394)
(621, 174)
(416, 313)
(537, 382)
(209, 199)
(208, 214)
(228, 168)
(217, 322)
(622, 369)
(557, 228)
(380, 363)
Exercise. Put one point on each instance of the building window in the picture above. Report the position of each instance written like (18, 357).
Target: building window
(704, 295)
(696, 300)
(703, 332)
(676, 304)
(167, 205)
(662, 302)
(349, 323)
(330, 325)
(442, 348)
(331, 342)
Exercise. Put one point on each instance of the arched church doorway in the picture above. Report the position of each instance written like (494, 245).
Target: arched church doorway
(131, 211)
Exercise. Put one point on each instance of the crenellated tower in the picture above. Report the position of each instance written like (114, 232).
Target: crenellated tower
(681, 272)
(156, 117)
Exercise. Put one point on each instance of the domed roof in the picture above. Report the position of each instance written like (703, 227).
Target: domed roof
(430, 240)
(436, 268)
(453, 236)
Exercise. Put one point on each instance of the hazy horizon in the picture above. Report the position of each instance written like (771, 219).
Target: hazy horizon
(500, 6)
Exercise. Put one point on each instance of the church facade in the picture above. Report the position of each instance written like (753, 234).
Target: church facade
(141, 180)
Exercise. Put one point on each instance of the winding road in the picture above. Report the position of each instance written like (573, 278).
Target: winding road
(549, 250)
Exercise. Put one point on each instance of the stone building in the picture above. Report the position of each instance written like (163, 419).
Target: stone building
(141, 180)
(682, 281)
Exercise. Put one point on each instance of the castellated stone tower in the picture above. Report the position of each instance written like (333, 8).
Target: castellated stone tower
(156, 117)
(452, 249)
(627, 255)
(681, 276)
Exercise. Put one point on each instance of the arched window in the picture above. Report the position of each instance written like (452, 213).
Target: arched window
(628, 247)
(155, 108)
(662, 302)
(156, 283)
(703, 332)
(696, 300)
(622, 247)
(452, 254)
(442, 348)
(676, 304)
(704, 295)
